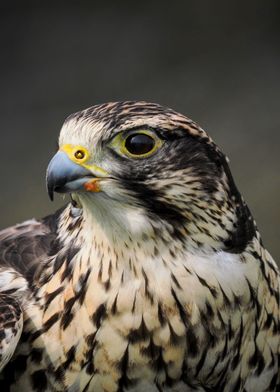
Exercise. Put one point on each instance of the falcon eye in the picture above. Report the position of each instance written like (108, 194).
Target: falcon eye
(136, 144)
(139, 144)
(79, 154)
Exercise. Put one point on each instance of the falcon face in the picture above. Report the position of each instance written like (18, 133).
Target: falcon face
(136, 161)
(153, 279)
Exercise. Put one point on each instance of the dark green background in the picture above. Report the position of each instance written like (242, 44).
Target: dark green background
(216, 61)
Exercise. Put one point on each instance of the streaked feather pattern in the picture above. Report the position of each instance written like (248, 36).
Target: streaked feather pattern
(159, 282)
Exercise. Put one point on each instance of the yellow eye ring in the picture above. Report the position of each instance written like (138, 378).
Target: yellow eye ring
(136, 144)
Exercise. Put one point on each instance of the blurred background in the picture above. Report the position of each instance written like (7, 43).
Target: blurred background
(217, 62)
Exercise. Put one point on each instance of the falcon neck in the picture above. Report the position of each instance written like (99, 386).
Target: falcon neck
(127, 236)
(125, 240)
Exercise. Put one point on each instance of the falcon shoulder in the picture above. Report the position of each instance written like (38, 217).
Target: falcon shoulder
(24, 249)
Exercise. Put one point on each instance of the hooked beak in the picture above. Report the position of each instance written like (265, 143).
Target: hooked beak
(65, 176)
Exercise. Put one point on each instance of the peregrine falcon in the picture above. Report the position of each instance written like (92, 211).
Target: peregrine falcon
(153, 278)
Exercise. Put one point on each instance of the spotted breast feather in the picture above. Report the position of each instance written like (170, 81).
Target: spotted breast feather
(154, 278)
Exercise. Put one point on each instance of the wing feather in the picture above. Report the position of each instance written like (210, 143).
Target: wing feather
(11, 323)
(26, 246)
(23, 249)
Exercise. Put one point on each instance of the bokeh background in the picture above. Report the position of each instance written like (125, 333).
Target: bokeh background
(216, 61)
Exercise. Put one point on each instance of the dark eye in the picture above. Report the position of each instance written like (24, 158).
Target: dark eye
(139, 144)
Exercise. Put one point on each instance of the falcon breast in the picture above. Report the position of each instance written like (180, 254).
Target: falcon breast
(153, 277)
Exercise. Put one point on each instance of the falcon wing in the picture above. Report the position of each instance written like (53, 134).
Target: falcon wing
(25, 246)
(11, 322)
(23, 249)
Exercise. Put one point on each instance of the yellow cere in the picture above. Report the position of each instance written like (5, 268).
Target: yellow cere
(118, 143)
(80, 155)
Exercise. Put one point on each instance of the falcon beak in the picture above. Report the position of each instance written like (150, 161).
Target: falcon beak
(66, 176)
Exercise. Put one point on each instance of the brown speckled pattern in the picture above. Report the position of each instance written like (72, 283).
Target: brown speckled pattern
(159, 282)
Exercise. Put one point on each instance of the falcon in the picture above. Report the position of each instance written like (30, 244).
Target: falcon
(153, 278)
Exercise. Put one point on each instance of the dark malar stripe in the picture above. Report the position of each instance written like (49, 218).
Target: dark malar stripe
(151, 200)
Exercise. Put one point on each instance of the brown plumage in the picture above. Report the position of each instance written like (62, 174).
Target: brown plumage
(153, 278)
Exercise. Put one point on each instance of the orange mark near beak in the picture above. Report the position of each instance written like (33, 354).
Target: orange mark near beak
(92, 185)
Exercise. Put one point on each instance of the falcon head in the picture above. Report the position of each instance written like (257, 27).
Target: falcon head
(142, 166)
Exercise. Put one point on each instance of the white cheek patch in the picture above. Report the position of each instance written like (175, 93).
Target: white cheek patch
(114, 209)
(137, 221)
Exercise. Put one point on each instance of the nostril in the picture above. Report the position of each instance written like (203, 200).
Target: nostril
(79, 154)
